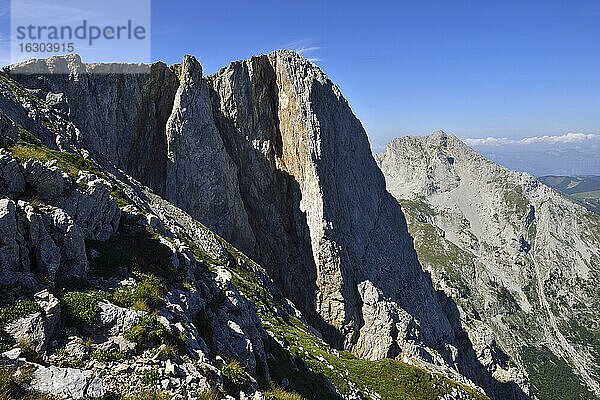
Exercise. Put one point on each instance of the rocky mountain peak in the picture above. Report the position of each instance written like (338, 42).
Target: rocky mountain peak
(513, 247)
(190, 68)
(268, 153)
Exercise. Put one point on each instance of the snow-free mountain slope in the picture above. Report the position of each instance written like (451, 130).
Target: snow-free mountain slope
(520, 260)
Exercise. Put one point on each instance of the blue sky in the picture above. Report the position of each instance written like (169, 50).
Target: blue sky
(474, 68)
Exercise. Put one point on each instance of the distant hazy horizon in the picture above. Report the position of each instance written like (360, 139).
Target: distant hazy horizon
(572, 154)
(569, 154)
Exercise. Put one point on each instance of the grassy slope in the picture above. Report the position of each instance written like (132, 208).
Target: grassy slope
(391, 379)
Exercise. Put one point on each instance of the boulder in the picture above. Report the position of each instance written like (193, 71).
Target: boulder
(37, 328)
(12, 179)
(114, 320)
(69, 238)
(9, 247)
(93, 208)
(69, 383)
(48, 180)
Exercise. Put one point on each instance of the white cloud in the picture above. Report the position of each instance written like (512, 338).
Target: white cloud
(558, 139)
(566, 138)
(305, 48)
(488, 141)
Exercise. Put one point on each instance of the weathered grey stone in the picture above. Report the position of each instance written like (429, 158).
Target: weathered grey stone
(76, 348)
(37, 328)
(47, 179)
(121, 134)
(93, 209)
(115, 320)
(237, 329)
(13, 354)
(67, 382)
(199, 163)
(9, 247)
(12, 179)
(69, 238)
(116, 343)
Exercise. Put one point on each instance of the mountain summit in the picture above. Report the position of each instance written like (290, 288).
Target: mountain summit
(267, 153)
(521, 260)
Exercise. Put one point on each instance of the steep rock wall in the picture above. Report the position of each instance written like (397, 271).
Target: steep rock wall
(269, 154)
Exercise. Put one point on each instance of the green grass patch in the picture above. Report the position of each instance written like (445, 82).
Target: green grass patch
(149, 376)
(513, 196)
(583, 336)
(5, 341)
(413, 207)
(145, 395)
(112, 355)
(210, 395)
(235, 378)
(80, 308)
(434, 251)
(278, 393)
(20, 308)
(146, 295)
(199, 254)
(551, 377)
(149, 333)
(69, 162)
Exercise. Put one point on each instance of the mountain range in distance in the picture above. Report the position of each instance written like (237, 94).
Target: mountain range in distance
(570, 154)
(583, 189)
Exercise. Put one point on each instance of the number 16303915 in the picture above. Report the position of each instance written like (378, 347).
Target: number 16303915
(46, 47)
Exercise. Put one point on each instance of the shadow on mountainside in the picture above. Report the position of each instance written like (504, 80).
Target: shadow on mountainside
(271, 199)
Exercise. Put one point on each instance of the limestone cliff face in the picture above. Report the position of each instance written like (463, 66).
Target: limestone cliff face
(121, 117)
(520, 260)
(200, 175)
(309, 159)
(268, 153)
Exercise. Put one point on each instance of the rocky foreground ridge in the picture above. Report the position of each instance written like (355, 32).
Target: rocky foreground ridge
(521, 261)
(113, 184)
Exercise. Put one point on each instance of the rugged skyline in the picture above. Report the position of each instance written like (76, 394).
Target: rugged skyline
(237, 231)
(488, 69)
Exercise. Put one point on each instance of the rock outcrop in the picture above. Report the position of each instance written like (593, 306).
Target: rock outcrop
(38, 328)
(268, 154)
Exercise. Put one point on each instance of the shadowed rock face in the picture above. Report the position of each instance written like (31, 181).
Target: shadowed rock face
(268, 153)
(336, 243)
(121, 116)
